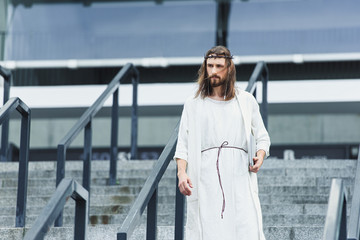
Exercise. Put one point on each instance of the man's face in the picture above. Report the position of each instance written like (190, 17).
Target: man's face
(217, 71)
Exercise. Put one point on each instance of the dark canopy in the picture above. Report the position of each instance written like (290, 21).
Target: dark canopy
(180, 29)
(111, 30)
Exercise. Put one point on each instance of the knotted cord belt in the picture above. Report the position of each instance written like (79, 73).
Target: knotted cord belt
(223, 145)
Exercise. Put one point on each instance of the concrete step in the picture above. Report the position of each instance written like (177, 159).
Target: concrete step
(78, 165)
(100, 199)
(297, 209)
(128, 199)
(148, 164)
(109, 232)
(293, 220)
(70, 209)
(95, 190)
(144, 173)
(322, 181)
(101, 219)
(106, 214)
(294, 199)
(168, 208)
(124, 173)
(165, 219)
(294, 209)
(307, 232)
(309, 163)
(307, 172)
(112, 214)
(143, 168)
(101, 232)
(165, 190)
(46, 182)
(302, 190)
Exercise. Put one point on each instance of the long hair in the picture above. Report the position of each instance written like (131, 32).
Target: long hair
(228, 89)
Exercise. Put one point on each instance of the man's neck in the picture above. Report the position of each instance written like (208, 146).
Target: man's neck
(217, 94)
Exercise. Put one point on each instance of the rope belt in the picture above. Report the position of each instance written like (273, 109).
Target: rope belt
(223, 145)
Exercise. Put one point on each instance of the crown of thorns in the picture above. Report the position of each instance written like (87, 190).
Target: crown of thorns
(218, 56)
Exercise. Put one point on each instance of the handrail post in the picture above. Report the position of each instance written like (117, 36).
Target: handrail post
(335, 223)
(23, 170)
(134, 117)
(114, 138)
(343, 222)
(60, 174)
(179, 213)
(81, 219)
(87, 157)
(354, 220)
(5, 126)
(87, 160)
(264, 104)
(152, 216)
(81, 214)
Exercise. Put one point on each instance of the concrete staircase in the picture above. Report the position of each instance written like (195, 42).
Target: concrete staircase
(293, 194)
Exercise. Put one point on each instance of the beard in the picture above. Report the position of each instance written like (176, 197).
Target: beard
(216, 81)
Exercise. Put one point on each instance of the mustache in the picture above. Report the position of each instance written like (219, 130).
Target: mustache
(211, 76)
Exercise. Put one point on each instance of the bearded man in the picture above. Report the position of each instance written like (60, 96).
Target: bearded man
(214, 169)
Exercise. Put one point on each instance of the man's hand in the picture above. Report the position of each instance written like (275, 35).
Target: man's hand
(185, 184)
(184, 181)
(258, 161)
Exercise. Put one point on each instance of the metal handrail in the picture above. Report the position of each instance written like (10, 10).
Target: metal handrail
(354, 220)
(335, 223)
(6, 74)
(85, 123)
(10, 106)
(67, 188)
(260, 73)
(148, 195)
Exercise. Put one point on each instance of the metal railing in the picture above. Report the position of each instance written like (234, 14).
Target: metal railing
(67, 188)
(335, 223)
(85, 123)
(148, 196)
(10, 106)
(260, 73)
(6, 74)
(336, 217)
(354, 220)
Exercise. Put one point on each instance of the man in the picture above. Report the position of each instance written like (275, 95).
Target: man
(212, 155)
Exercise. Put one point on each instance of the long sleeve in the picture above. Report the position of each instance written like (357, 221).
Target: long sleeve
(182, 143)
(257, 127)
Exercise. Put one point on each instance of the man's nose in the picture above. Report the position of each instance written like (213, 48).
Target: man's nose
(213, 70)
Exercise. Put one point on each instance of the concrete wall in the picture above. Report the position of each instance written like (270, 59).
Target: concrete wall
(155, 131)
(315, 128)
(46, 133)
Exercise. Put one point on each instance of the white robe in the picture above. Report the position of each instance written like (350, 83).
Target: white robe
(189, 148)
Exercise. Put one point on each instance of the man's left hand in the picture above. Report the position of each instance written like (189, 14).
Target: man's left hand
(258, 161)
